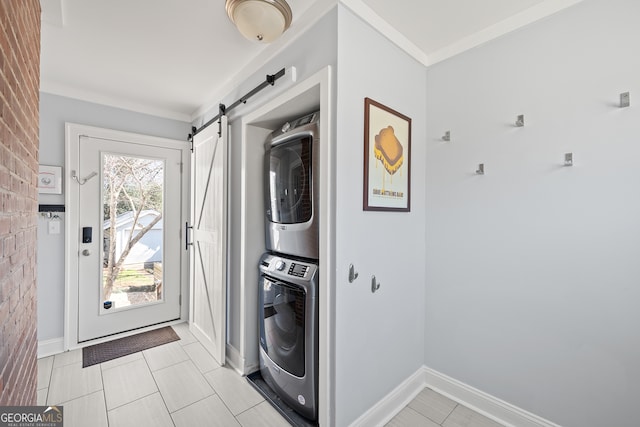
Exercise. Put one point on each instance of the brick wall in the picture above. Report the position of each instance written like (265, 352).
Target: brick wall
(19, 96)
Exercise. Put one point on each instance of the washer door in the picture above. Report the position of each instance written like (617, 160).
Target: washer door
(282, 325)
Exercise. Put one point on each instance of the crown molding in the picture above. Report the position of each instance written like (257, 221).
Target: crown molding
(114, 102)
(519, 20)
(376, 21)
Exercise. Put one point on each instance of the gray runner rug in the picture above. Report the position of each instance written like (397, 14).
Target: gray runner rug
(109, 350)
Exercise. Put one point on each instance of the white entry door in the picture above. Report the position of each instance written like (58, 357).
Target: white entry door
(207, 309)
(129, 225)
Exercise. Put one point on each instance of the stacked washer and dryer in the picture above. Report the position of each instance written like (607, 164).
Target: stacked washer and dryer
(288, 287)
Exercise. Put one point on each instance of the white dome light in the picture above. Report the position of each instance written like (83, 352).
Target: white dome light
(260, 20)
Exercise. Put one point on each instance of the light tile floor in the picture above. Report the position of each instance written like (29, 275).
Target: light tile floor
(174, 385)
(180, 384)
(431, 409)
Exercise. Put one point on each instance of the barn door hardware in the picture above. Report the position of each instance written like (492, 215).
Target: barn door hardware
(222, 110)
(187, 243)
(269, 81)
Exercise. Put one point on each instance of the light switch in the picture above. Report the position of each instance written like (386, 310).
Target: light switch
(54, 227)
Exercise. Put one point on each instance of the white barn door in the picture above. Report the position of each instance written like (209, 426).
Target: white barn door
(208, 247)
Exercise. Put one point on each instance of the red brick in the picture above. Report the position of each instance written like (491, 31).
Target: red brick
(4, 313)
(19, 134)
(9, 246)
(5, 225)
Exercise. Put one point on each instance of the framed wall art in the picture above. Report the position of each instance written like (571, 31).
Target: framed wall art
(387, 159)
(50, 180)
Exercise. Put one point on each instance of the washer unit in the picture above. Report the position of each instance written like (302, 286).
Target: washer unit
(288, 312)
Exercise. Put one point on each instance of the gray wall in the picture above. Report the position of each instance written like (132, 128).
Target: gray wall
(532, 269)
(379, 337)
(309, 53)
(520, 282)
(54, 112)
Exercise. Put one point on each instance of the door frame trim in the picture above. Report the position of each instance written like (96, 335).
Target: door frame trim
(320, 83)
(73, 131)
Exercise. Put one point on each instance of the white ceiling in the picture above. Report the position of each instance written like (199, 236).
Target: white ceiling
(172, 57)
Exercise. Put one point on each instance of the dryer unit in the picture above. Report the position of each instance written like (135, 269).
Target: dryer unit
(291, 188)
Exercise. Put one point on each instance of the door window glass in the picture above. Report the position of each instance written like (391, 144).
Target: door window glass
(132, 230)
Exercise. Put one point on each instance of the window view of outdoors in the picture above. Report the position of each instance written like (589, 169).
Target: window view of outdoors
(132, 230)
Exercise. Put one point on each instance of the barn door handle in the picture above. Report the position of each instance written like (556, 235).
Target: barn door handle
(187, 243)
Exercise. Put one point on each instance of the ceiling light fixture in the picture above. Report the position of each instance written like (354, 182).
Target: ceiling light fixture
(260, 20)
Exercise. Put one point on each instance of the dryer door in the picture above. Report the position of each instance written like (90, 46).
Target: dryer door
(288, 189)
(282, 325)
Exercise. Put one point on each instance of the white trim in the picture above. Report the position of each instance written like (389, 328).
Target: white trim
(327, 246)
(234, 359)
(50, 347)
(519, 20)
(56, 345)
(481, 402)
(490, 406)
(73, 131)
(322, 82)
(239, 363)
(68, 91)
(383, 411)
(376, 21)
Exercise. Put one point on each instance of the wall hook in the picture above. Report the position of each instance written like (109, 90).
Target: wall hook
(520, 121)
(374, 285)
(447, 136)
(625, 100)
(480, 170)
(353, 274)
(82, 181)
(568, 159)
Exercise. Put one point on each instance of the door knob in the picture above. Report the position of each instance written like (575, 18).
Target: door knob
(86, 252)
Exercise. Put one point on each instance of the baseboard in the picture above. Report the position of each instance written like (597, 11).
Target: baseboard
(489, 406)
(234, 359)
(481, 402)
(50, 347)
(383, 411)
(239, 363)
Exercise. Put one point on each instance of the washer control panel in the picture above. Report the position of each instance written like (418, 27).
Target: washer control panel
(298, 270)
(277, 266)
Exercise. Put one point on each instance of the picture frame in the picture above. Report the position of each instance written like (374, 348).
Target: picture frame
(387, 159)
(50, 179)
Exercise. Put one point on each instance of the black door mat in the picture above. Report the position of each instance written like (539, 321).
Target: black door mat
(289, 414)
(110, 350)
